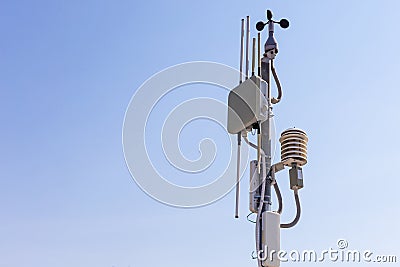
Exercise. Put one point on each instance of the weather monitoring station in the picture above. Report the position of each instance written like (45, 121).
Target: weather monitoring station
(250, 106)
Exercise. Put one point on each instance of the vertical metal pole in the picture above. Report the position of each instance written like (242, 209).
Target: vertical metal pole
(253, 57)
(259, 163)
(266, 130)
(247, 45)
(241, 51)
(239, 136)
(259, 137)
(259, 54)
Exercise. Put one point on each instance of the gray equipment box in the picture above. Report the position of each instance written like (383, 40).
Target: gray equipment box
(247, 105)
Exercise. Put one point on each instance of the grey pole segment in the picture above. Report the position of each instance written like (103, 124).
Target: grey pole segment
(266, 130)
(270, 48)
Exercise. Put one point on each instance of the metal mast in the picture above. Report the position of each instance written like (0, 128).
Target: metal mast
(250, 108)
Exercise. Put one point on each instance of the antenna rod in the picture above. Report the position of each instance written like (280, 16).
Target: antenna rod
(253, 57)
(259, 54)
(259, 159)
(247, 46)
(239, 136)
(241, 51)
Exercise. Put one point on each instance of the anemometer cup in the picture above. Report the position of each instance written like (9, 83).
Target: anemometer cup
(284, 23)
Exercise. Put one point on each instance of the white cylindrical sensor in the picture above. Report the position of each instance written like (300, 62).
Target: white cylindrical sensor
(294, 146)
(271, 238)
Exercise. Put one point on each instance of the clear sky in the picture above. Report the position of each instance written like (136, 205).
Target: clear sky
(69, 68)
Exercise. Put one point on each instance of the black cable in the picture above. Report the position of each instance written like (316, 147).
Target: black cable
(249, 218)
(279, 196)
(278, 84)
(298, 212)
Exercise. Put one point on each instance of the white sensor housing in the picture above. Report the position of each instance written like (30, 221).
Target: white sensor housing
(294, 146)
(271, 237)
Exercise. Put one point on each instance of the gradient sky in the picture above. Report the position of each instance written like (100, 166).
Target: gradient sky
(69, 68)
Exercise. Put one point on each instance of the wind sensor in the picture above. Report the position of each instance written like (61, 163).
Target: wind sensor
(250, 109)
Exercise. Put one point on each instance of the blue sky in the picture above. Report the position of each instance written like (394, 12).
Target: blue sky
(69, 68)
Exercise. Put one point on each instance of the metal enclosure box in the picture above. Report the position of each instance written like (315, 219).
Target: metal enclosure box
(296, 177)
(271, 243)
(254, 190)
(247, 105)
